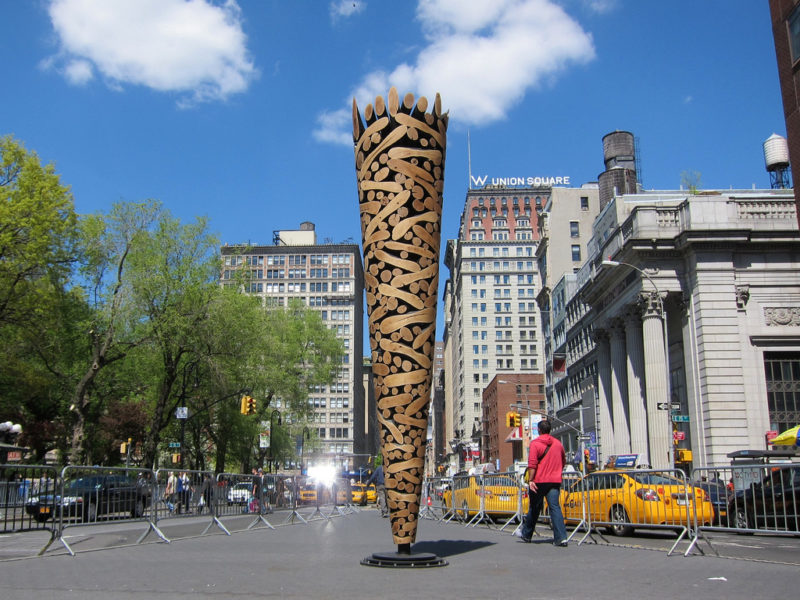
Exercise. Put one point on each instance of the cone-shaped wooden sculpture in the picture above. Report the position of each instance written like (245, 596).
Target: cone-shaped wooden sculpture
(400, 156)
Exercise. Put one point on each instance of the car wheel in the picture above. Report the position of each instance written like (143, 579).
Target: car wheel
(740, 520)
(619, 517)
(90, 513)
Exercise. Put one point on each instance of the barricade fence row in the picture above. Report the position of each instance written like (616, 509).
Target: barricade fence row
(42, 498)
(745, 499)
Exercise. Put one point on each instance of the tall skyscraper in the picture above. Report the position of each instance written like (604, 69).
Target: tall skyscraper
(492, 320)
(328, 278)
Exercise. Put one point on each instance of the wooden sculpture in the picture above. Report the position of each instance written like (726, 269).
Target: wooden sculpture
(400, 157)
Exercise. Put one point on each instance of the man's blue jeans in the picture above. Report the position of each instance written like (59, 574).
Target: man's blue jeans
(551, 492)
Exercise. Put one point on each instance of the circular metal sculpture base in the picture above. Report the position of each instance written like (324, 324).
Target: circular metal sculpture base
(401, 560)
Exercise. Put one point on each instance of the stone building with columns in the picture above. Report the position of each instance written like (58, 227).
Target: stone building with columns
(687, 339)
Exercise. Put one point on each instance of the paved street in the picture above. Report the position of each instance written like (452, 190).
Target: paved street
(321, 560)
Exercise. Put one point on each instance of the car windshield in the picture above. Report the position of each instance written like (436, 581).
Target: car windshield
(655, 479)
(498, 481)
(84, 483)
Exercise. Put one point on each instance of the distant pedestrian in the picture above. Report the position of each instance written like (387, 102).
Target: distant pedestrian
(258, 482)
(546, 460)
(206, 491)
(380, 486)
(170, 491)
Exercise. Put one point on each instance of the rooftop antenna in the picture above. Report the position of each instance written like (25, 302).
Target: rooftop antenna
(469, 162)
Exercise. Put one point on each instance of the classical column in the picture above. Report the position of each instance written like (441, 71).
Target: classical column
(605, 433)
(656, 369)
(637, 415)
(619, 400)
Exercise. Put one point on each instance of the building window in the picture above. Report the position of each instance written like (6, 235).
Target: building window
(584, 202)
(782, 370)
(574, 229)
(794, 33)
(576, 253)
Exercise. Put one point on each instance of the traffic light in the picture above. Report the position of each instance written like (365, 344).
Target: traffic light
(123, 448)
(248, 405)
(517, 420)
(509, 419)
(176, 458)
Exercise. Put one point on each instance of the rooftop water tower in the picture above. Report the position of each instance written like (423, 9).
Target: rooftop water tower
(776, 157)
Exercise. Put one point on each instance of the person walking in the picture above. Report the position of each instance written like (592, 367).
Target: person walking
(380, 486)
(546, 460)
(169, 491)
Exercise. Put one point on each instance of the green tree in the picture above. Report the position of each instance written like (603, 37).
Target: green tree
(37, 233)
(37, 251)
(107, 242)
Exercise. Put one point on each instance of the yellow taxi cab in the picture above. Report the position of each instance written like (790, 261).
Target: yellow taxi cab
(363, 493)
(307, 492)
(500, 493)
(625, 499)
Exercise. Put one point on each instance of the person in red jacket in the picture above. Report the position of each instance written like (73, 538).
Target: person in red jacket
(546, 460)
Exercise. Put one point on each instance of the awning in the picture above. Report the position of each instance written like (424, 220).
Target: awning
(514, 436)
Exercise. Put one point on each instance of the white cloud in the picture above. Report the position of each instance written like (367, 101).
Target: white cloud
(601, 6)
(346, 8)
(191, 47)
(482, 57)
(78, 72)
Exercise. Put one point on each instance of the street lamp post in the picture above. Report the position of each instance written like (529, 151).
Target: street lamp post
(271, 430)
(9, 432)
(662, 309)
(306, 436)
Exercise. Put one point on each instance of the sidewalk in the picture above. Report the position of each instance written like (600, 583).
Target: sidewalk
(322, 560)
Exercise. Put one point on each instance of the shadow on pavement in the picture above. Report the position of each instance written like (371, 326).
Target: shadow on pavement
(444, 548)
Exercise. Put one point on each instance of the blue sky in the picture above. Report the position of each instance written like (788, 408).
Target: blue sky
(240, 110)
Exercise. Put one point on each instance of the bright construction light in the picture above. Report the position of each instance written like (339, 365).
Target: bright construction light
(324, 474)
(610, 263)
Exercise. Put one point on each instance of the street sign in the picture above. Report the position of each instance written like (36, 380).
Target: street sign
(679, 436)
(663, 406)
(174, 444)
(584, 438)
(675, 406)
(182, 412)
(680, 418)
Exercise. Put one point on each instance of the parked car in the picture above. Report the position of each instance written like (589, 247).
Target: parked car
(307, 492)
(774, 503)
(499, 492)
(240, 493)
(628, 498)
(89, 496)
(363, 494)
(718, 496)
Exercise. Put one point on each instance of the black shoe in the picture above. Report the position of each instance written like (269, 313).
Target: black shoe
(523, 540)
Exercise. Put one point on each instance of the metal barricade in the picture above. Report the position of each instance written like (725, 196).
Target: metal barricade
(91, 495)
(293, 486)
(180, 493)
(625, 500)
(752, 498)
(433, 506)
(28, 496)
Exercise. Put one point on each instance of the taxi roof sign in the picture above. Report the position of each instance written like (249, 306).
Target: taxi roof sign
(622, 461)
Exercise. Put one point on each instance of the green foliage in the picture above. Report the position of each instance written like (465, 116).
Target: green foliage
(111, 321)
(691, 180)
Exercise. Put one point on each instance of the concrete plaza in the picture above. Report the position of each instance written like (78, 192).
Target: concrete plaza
(321, 559)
